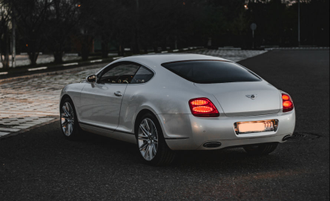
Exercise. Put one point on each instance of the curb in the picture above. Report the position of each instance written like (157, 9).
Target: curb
(60, 67)
(55, 72)
(297, 48)
(72, 65)
(56, 118)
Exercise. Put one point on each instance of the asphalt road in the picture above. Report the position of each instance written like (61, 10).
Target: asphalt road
(41, 165)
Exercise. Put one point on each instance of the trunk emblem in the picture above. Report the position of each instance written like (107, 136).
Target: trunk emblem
(252, 96)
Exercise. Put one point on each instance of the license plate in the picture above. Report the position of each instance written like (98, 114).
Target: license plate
(256, 126)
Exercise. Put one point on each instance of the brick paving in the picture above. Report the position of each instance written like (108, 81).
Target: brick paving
(23, 60)
(33, 100)
(28, 102)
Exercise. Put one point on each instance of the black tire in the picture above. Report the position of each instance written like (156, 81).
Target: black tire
(260, 149)
(163, 155)
(67, 117)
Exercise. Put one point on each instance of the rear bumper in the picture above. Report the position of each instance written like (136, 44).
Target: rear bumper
(194, 132)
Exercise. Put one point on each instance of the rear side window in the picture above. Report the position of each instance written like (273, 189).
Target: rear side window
(119, 73)
(206, 72)
(143, 75)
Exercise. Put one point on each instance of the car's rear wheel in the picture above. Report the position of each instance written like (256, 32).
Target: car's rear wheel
(260, 149)
(151, 143)
(68, 120)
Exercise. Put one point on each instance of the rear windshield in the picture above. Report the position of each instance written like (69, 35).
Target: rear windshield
(205, 72)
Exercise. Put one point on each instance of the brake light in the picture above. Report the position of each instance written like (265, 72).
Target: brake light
(287, 103)
(203, 107)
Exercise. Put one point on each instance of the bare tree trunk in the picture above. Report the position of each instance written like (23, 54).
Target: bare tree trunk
(85, 48)
(58, 57)
(5, 57)
(84, 52)
(105, 47)
(5, 60)
(33, 56)
(120, 50)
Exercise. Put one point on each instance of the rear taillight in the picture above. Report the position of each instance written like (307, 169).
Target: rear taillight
(203, 107)
(287, 103)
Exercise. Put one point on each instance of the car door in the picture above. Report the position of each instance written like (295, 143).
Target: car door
(134, 97)
(101, 100)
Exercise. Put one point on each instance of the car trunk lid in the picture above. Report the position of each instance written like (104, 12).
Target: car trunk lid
(245, 98)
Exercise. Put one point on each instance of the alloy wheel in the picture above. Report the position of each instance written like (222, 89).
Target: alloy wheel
(148, 139)
(67, 118)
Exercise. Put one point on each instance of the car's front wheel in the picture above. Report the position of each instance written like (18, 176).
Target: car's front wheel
(260, 149)
(68, 120)
(151, 143)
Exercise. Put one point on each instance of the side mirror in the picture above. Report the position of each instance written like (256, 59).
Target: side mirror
(91, 78)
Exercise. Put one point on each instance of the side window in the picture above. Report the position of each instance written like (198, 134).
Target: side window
(142, 76)
(120, 73)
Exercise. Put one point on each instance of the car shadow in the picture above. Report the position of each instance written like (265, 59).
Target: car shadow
(224, 160)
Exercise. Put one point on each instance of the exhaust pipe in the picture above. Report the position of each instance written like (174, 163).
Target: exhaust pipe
(287, 137)
(212, 144)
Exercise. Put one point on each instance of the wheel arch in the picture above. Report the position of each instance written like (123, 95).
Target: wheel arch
(74, 105)
(64, 97)
(139, 115)
(143, 112)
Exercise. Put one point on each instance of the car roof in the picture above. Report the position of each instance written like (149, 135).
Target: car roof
(159, 59)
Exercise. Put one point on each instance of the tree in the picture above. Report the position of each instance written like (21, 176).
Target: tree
(32, 17)
(5, 19)
(62, 20)
(103, 21)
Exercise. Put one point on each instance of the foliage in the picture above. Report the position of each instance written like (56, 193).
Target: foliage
(63, 18)
(5, 18)
(59, 26)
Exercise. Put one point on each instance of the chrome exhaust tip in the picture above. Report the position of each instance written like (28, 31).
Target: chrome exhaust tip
(212, 144)
(287, 137)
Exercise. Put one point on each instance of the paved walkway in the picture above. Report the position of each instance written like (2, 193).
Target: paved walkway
(33, 100)
(23, 60)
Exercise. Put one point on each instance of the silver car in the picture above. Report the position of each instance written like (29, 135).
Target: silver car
(170, 102)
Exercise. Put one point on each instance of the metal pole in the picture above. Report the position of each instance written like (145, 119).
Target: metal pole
(14, 38)
(298, 22)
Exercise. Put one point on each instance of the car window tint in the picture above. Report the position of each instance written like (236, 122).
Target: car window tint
(122, 73)
(142, 76)
(205, 72)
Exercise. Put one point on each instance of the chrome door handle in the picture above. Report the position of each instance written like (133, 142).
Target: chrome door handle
(118, 93)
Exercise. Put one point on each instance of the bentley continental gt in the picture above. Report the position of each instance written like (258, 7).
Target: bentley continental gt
(169, 102)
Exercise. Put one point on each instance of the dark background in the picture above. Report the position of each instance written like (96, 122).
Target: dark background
(99, 26)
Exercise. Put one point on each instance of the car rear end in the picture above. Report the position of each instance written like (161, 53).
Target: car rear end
(236, 108)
